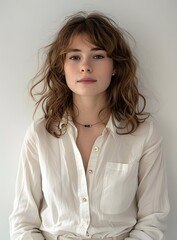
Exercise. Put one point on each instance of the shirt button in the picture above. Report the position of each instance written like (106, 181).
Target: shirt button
(84, 199)
(96, 149)
(90, 171)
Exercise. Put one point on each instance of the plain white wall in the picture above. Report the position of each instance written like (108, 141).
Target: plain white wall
(26, 26)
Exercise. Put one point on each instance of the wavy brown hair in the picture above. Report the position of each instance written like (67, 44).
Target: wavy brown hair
(123, 96)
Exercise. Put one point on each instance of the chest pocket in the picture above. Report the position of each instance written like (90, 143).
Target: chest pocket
(119, 187)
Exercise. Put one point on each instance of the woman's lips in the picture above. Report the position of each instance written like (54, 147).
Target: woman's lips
(86, 80)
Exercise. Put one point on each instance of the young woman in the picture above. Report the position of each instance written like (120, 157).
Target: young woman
(92, 167)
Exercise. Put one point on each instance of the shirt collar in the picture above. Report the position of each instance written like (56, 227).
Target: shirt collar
(111, 127)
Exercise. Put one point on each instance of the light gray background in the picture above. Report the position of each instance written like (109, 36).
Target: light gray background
(26, 26)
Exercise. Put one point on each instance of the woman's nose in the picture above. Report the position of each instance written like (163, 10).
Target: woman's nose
(86, 68)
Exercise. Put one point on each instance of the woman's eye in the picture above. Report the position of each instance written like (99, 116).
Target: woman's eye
(74, 58)
(98, 56)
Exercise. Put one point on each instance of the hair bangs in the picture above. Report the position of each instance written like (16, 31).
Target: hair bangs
(95, 32)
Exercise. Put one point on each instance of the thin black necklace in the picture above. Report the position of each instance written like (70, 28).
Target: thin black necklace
(88, 125)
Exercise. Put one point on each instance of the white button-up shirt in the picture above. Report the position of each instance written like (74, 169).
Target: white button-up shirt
(123, 191)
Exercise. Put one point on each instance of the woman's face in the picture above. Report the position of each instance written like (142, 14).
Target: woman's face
(88, 69)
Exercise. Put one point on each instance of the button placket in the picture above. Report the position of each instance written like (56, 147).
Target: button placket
(83, 196)
(92, 163)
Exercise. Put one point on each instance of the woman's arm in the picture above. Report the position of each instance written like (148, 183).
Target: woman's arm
(25, 219)
(152, 194)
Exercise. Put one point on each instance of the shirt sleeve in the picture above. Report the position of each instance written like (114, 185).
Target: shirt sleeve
(25, 219)
(152, 194)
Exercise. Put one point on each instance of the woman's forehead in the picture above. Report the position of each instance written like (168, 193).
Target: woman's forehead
(82, 38)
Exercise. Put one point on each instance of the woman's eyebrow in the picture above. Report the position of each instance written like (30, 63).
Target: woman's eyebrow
(97, 49)
(79, 50)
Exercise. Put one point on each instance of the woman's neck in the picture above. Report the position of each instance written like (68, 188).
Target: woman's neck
(90, 110)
